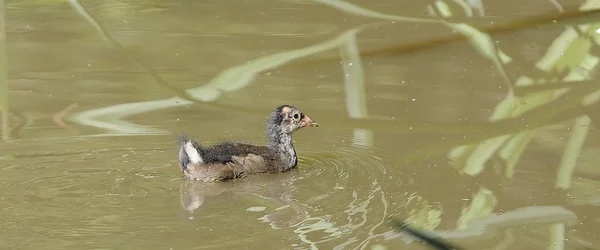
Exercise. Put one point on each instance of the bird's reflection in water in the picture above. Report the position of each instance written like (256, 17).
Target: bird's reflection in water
(276, 188)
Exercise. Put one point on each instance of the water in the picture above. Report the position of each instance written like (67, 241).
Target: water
(98, 94)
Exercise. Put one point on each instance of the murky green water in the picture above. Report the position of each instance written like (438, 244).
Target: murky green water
(98, 90)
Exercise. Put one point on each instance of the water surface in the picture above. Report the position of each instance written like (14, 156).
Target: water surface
(98, 91)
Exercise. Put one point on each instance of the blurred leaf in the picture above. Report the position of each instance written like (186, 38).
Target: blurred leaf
(513, 149)
(569, 42)
(564, 175)
(482, 206)
(590, 5)
(423, 214)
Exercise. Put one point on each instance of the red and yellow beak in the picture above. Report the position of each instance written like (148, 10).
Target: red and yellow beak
(306, 122)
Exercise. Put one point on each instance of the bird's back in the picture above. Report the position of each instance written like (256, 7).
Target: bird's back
(227, 160)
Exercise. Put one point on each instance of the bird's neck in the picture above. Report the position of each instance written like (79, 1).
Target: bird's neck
(283, 146)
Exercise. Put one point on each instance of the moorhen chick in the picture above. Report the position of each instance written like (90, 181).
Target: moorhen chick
(230, 160)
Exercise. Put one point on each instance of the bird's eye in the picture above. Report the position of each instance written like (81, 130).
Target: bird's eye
(296, 116)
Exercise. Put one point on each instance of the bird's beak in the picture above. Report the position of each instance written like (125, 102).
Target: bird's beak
(306, 122)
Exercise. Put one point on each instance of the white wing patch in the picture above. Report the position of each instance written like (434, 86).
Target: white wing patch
(192, 153)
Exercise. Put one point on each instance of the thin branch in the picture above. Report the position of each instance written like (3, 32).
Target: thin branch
(570, 17)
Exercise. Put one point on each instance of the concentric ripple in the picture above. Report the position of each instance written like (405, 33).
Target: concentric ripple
(339, 158)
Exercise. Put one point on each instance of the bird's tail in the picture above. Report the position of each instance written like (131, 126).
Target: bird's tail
(189, 151)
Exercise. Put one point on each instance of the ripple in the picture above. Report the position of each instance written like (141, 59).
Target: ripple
(345, 157)
(338, 161)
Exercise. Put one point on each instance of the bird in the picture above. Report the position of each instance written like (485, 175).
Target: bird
(230, 160)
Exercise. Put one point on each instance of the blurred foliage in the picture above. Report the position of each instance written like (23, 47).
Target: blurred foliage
(423, 215)
(482, 206)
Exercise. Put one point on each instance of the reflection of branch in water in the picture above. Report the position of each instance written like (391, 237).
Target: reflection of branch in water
(354, 86)
(3, 76)
(233, 78)
(354, 80)
(230, 79)
(238, 77)
(110, 118)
